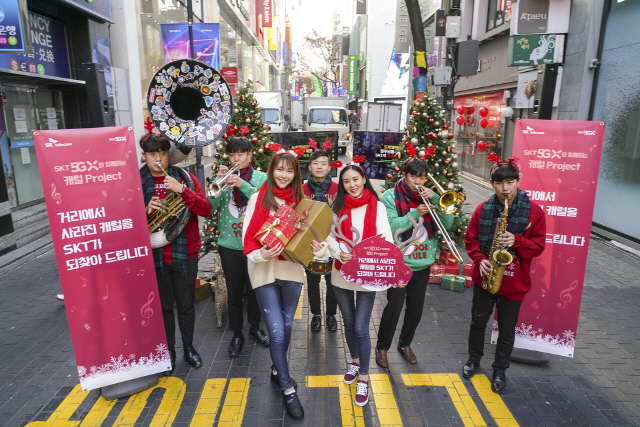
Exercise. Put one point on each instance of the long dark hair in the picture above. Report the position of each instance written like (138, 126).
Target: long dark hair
(269, 199)
(341, 195)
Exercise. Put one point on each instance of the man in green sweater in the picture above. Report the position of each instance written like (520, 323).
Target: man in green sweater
(232, 205)
(404, 202)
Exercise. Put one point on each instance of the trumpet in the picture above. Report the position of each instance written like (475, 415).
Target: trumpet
(450, 201)
(440, 226)
(217, 187)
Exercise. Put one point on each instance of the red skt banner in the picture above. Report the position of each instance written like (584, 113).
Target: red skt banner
(99, 228)
(267, 13)
(559, 164)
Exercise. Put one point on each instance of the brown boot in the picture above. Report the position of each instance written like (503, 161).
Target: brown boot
(408, 355)
(381, 358)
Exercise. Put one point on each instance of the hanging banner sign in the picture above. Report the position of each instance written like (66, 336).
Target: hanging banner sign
(379, 149)
(50, 56)
(361, 7)
(535, 49)
(352, 75)
(206, 42)
(267, 14)
(403, 28)
(559, 166)
(101, 241)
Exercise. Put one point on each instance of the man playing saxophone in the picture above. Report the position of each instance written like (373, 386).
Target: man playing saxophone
(508, 222)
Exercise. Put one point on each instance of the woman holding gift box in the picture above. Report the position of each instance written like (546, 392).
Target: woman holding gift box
(356, 199)
(276, 281)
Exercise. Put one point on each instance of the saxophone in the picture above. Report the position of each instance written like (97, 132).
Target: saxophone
(499, 257)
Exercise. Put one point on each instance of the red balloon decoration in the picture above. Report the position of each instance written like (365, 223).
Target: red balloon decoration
(470, 120)
(484, 123)
(483, 111)
(481, 145)
(470, 110)
(460, 120)
(460, 110)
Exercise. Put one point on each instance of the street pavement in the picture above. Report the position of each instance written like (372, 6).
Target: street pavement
(600, 386)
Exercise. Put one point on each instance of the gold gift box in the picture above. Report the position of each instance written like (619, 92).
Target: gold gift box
(317, 215)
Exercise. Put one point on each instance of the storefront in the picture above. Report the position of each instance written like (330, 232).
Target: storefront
(46, 89)
(617, 101)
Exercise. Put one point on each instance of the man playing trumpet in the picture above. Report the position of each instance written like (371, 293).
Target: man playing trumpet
(407, 200)
(524, 238)
(176, 263)
(232, 205)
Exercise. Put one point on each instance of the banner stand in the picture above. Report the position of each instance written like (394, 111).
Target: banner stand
(128, 388)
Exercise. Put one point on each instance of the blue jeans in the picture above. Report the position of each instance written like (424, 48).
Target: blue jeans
(355, 317)
(278, 302)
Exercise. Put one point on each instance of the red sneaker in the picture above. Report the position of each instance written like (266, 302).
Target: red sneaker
(352, 373)
(362, 393)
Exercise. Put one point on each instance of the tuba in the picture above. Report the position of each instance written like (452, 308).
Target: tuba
(499, 257)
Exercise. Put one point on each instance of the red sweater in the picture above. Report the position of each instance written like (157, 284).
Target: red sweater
(330, 194)
(198, 204)
(516, 282)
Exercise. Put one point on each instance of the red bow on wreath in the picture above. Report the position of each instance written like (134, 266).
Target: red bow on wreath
(313, 144)
(359, 159)
(493, 157)
(244, 130)
(299, 151)
(335, 164)
(327, 145)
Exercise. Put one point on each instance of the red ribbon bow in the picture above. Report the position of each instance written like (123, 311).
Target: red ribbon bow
(327, 145)
(335, 164)
(313, 144)
(359, 159)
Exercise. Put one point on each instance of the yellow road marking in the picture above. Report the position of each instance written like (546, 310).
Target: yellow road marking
(493, 402)
(235, 402)
(60, 417)
(351, 413)
(298, 314)
(98, 412)
(174, 389)
(209, 403)
(386, 405)
(457, 391)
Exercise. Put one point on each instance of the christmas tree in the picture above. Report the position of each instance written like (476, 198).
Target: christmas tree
(247, 123)
(428, 136)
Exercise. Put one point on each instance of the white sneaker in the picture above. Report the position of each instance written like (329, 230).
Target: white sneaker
(60, 297)
(362, 393)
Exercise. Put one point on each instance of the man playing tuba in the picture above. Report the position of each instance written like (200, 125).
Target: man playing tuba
(177, 262)
(524, 238)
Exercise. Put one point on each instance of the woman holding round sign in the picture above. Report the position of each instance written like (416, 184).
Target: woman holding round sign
(361, 216)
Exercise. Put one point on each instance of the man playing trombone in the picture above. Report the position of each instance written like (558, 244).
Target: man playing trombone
(407, 200)
(232, 205)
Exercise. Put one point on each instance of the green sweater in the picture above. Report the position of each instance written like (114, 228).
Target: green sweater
(229, 222)
(424, 255)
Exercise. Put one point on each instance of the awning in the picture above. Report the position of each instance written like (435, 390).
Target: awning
(25, 77)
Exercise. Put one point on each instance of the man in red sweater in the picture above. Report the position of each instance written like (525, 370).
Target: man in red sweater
(176, 263)
(525, 238)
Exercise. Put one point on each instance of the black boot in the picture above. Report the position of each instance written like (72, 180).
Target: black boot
(192, 356)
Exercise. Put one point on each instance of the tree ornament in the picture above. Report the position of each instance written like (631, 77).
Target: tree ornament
(389, 176)
(450, 136)
(257, 122)
(450, 185)
(217, 156)
(449, 175)
(264, 132)
(236, 110)
(259, 168)
(224, 156)
(431, 120)
(445, 127)
(422, 153)
(414, 141)
(454, 165)
(429, 145)
(449, 149)
(444, 153)
(481, 145)
(424, 114)
(254, 139)
(422, 104)
(260, 150)
(225, 136)
(460, 120)
(415, 113)
(433, 135)
(397, 169)
(446, 162)
(436, 164)
(460, 110)
(247, 120)
(398, 155)
(483, 111)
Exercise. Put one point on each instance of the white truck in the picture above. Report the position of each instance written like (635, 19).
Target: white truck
(297, 111)
(274, 108)
(327, 114)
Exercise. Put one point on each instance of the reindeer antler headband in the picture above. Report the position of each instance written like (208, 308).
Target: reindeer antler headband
(510, 161)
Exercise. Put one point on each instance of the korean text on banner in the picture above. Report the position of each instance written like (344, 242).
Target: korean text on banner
(559, 165)
(267, 13)
(11, 31)
(101, 241)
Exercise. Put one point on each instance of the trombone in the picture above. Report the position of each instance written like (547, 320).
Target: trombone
(450, 201)
(439, 224)
(217, 187)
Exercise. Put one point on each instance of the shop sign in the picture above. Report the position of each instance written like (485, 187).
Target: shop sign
(403, 28)
(352, 75)
(534, 49)
(49, 57)
(266, 13)
(230, 74)
(11, 34)
(100, 8)
(540, 17)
